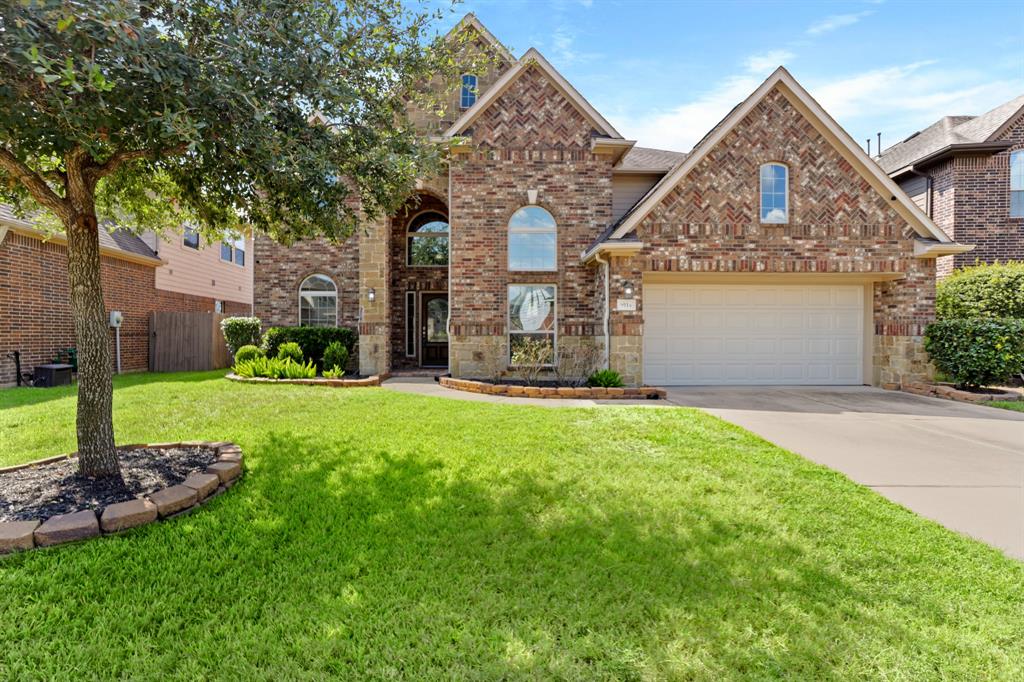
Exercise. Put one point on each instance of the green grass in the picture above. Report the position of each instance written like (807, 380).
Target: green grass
(381, 535)
(1016, 405)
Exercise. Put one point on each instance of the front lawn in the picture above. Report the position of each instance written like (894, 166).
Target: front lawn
(1016, 405)
(380, 535)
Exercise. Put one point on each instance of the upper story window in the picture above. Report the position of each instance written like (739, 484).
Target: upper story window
(233, 251)
(468, 95)
(318, 302)
(1017, 184)
(427, 239)
(774, 193)
(191, 238)
(532, 240)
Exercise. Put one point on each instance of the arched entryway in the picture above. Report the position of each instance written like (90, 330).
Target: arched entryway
(420, 240)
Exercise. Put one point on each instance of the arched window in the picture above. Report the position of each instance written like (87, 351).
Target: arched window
(774, 193)
(427, 238)
(532, 240)
(468, 97)
(318, 302)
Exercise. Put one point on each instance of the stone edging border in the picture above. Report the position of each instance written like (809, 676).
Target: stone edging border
(952, 393)
(196, 489)
(374, 380)
(583, 392)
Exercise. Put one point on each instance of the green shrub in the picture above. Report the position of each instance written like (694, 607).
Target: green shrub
(979, 352)
(248, 352)
(240, 331)
(335, 373)
(605, 378)
(259, 367)
(289, 351)
(335, 356)
(291, 369)
(993, 291)
(313, 340)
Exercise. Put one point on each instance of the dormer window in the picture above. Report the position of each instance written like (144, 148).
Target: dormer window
(774, 193)
(468, 98)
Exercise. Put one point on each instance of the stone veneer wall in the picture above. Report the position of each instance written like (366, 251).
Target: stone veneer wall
(837, 224)
(530, 138)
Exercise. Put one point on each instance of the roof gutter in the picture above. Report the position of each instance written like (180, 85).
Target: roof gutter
(931, 248)
(59, 238)
(950, 150)
(614, 249)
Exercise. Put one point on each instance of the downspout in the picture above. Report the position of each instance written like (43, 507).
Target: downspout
(606, 266)
(451, 243)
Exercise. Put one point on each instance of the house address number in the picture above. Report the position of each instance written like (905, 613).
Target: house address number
(625, 304)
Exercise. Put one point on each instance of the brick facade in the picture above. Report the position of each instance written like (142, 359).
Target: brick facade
(970, 201)
(838, 224)
(35, 314)
(281, 269)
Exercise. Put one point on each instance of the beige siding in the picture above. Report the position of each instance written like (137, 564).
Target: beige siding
(202, 272)
(627, 190)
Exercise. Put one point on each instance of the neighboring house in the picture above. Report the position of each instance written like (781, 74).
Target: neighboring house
(967, 174)
(775, 252)
(35, 313)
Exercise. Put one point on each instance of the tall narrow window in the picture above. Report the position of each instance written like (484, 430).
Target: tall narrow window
(531, 324)
(532, 240)
(225, 251)
(774, 193)
(318, 302)
(410, 324)
(1017, 184)
(468, 97)
(428, 239)
(239, 245)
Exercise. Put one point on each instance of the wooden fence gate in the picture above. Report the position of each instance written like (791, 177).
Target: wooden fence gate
(181, 342)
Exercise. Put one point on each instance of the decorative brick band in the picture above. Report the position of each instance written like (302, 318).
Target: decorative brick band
(374, 380)
(196, 489)
(953, 393)
(565, 392)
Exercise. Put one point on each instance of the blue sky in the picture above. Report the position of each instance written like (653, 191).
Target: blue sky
(665, 72)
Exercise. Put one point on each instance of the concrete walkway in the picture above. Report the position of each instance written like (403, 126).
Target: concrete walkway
(959, 464)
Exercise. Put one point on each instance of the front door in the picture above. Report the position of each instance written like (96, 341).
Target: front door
(434, 331)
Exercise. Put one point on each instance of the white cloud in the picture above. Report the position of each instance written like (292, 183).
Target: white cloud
(836, 21)
(767, 61)
(896, 100)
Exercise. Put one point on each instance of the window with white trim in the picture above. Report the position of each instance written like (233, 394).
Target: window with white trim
(233, 251)
(468, 95)
(774, 193)
(1017, 184)
(410, 324)
(532, 240)
(318, 302)
(531, 320)
(190, 238)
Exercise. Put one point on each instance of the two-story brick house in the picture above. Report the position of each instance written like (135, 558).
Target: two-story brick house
(775, 252)
(967, 174)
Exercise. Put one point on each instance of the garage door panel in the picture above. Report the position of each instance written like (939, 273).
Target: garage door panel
(745, 334)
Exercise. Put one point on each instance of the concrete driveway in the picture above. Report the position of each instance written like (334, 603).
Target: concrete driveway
(959, 464)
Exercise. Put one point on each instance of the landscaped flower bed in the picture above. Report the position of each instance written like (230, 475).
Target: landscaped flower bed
(374, 380)
(46, 503)
(953, 393)
(578, 392)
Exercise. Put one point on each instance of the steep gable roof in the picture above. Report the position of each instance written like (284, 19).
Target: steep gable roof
(532, 57)
(818, 117)
(470, 21)
(647, 160)
(951, 132)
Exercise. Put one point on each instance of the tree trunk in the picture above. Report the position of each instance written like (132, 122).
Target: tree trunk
(95, 424)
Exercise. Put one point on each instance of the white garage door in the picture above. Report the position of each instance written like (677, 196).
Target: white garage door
(743, 334)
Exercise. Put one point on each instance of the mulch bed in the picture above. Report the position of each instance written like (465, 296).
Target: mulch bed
(45, 490)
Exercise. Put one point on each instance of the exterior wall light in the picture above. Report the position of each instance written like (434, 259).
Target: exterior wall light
(627, 289)
(371, 295)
